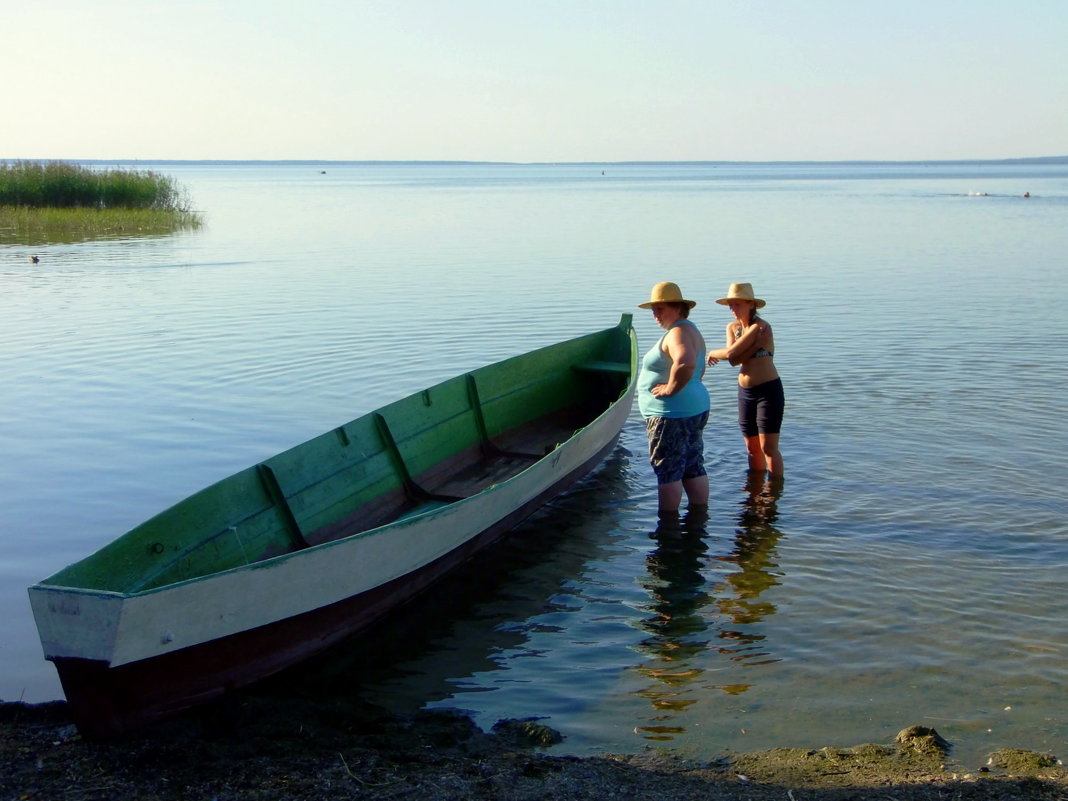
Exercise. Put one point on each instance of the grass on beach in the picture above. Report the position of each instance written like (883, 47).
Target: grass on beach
(58, 201)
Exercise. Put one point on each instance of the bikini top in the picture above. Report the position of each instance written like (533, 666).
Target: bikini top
(758, 353)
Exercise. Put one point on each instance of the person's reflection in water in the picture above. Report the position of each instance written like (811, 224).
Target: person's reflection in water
(754, 553)
(679, 591)
(688, 609)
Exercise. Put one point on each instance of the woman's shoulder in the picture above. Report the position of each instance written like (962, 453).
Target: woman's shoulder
(682, 325)
(680, 333)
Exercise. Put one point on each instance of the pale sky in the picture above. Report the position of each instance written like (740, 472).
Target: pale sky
(534, 80)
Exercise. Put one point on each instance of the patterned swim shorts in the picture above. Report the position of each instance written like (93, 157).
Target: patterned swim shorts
(677, 447)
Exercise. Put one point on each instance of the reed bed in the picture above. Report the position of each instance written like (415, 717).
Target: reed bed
(60, 201)
(62, 185)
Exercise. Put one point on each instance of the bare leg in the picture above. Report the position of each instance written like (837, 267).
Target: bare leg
(669, 496)
(756, 452)
(769, 446)
(696, 491)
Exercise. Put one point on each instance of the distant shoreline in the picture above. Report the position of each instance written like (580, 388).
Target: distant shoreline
(1030, 161)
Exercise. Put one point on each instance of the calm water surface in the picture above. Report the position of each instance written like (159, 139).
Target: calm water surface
(909, 570)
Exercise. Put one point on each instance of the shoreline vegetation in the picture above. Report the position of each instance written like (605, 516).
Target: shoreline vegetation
(43, 202)
(256, 747)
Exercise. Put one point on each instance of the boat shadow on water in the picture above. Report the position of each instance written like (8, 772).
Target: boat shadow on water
(415, 656)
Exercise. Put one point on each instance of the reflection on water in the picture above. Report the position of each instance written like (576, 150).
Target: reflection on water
(480, 625)
(46, 236)
(678, 626)
(43, 227)
(690, 612)
(159, 365)
(754, 553)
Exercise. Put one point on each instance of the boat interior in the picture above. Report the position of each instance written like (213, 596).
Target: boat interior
(420, 453)
(491, 460)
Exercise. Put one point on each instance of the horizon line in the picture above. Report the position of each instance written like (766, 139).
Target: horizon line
(127, 160)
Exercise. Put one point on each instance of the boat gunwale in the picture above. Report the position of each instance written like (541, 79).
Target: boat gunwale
(385, 528)
(625, 329)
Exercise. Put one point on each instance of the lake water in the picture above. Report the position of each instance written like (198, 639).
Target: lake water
(910, 569)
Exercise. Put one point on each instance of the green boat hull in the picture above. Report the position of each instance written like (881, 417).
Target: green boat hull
(286, 558)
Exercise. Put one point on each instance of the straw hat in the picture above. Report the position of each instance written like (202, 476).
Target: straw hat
(666, 292)
(740, 292)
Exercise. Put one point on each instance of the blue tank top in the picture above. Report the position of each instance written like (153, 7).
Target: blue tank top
(691, 400)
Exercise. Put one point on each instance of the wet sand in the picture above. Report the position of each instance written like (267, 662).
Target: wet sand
(249, 747)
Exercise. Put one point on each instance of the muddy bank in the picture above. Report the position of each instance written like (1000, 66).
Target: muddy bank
(260, 749)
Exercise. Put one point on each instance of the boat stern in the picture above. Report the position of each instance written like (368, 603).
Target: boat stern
(76, 623)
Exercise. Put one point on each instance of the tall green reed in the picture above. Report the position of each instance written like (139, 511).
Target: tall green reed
(59, 184)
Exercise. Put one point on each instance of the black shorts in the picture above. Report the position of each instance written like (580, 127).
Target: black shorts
(760, 408)
(677, 447)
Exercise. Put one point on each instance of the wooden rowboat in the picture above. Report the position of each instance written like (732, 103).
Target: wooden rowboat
(284, 559)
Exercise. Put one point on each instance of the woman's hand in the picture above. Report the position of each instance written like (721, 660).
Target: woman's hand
(712, 360)
(659, 390)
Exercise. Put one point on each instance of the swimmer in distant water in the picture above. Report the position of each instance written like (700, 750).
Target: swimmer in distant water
(1027, 194)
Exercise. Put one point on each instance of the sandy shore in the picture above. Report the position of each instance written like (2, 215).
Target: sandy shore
(260, 749)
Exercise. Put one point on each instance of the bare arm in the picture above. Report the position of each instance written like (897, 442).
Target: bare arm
(740, 348)
(683, 363)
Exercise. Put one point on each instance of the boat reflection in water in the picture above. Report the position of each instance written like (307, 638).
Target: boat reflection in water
(696, 615)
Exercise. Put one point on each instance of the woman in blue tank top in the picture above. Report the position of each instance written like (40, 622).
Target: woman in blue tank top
(674, 402)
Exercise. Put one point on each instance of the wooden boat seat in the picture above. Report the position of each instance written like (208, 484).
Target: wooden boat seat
(476, 477)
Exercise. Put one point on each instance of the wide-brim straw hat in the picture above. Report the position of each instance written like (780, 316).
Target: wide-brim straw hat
(741, 292)
(666, 292)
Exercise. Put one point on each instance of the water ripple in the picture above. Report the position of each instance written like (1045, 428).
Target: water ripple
(909, 569)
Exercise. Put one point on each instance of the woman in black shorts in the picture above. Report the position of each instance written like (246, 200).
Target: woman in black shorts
(761, 401)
